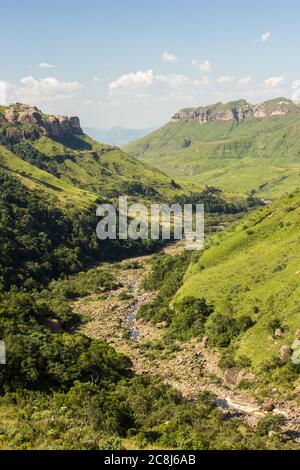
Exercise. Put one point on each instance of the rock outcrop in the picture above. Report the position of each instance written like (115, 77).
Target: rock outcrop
(18, 115)
(236, 111)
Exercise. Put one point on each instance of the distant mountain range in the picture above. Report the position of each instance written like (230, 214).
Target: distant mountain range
(116, 135)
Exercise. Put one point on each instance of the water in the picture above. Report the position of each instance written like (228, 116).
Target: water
(134, 334)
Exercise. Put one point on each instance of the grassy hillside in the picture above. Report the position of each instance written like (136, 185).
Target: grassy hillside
(254, 154)
(72, 166)
(252, 271)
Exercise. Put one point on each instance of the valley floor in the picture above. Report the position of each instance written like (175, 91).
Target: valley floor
(190, 368)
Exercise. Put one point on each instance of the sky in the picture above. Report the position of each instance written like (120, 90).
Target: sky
(134, 63)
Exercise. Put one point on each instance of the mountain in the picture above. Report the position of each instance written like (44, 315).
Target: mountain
(53, 153)
(235, 146)
(116, 135)
(250, 274)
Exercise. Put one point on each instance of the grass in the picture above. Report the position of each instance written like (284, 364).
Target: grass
(81, 170)
(260, 155)
(253, 270)
(36, 178)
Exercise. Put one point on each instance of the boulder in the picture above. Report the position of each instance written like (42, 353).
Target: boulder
(268, 406)
(231, 375)
(279, 333)
(285, 352)
(245, 375)
(204, 342)
(162, 325)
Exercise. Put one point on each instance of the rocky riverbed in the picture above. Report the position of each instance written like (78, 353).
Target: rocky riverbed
(191, 368)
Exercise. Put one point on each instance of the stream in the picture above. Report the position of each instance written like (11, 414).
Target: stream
(131, 318)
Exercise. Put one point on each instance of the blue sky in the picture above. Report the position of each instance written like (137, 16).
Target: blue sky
(134, 63)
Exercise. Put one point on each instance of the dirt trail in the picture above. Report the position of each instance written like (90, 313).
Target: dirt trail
(190, 369)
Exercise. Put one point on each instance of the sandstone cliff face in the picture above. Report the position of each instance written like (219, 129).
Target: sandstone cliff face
(236, 111)
(53, 126)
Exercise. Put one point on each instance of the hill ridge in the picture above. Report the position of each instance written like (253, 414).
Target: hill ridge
(236, 111)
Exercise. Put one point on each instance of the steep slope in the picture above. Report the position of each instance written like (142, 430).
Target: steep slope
(53, 153)
(252, 272)
(234, 146)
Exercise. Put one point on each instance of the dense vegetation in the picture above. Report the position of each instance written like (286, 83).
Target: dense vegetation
(187, 318)
(39, 242)
(250, 275)
(62, 390)
(65, 391)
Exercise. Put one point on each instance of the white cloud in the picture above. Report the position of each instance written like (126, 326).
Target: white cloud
(139, 83)
(273, 82)
(245, 80)
(44, 65)
(132, 81)
(225, 79)
(49, 89)
(169, 57)
(266, 37)
(174, 81)
(202, 82)
(205, 67)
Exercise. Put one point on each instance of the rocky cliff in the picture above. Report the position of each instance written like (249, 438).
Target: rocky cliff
(23, 121)
(236, 111)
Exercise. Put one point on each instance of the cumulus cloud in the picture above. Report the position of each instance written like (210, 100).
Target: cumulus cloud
(266, 37)
(174, 81)
(274, 82)
(202, 82)
(169, 57)
(45, 65)
(139, 83)
(225, 79)
(48, 89)
(132, 81)
(204, 67)
(245, 80)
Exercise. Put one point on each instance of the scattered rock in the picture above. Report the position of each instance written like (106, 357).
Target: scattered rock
(285, 352)
(297, 389)
(278, 412)
(162, 325)
(268, 406)
(247, 376)
(297, 334)
(231, 375)
(204, 342)
(279, 333)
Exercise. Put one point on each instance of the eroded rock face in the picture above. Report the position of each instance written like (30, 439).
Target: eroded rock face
(53, 126)
(236, 111)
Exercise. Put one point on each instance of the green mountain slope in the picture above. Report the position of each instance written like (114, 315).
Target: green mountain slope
(252, 272)
(237, 147)
(52, 153)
